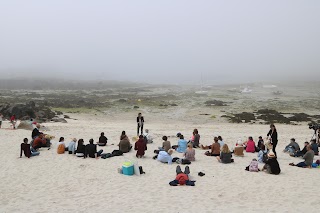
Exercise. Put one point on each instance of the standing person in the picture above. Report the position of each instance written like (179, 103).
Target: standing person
(13, 121)
(274, 137)
(140, 122)
(28, 152)
(1, 119)
(140, 146)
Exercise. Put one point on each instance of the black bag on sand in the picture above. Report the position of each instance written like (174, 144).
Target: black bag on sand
(141, 170)
(105, 156)
(265, 157)
(117, 153)
(185, 161)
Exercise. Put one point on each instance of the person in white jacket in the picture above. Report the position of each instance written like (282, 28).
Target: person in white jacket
(165, 157)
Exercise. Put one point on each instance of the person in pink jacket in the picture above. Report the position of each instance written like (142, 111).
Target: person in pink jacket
(251, 146)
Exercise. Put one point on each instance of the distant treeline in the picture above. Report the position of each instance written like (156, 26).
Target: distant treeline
(60, 84)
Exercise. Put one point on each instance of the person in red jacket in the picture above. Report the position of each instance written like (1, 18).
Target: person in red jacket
(140, 146)
(13, 121)
(39, 142)
(251, 146)
(182, 178)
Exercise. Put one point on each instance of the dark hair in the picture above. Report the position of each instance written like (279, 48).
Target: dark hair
(195, 131)
(102, 133)
(306, 142)
(216, 139)
(220, 138)
(181, 137)
(260, 136)
(123, 133)
(61, 139)
(293, 139)
(80, 142)
(164, 138)
(272, 125)
(140, 136)
(25, 140)
(139, 113)
(250, 138)
(91, 141)
(262, 147)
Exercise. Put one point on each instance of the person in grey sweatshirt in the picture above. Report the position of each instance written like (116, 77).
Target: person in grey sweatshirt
(308, 159)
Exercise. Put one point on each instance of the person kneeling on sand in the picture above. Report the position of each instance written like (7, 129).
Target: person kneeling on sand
(103, 140)
(81, 148)
(124, 144)
(91, 150)
(140, 146)
(61, 147)
(238, 150)
(182, 178)
(165, 157)
(190, 153)
(215, 148)
(272, 165)
(28, 152)
(308, 159)
(225, 155)
(196, 139)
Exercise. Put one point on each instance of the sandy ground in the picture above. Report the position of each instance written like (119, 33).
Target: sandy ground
(65, 183)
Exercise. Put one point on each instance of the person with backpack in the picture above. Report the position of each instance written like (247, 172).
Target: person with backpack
(254, 166)
(61, 147)
(182, 178)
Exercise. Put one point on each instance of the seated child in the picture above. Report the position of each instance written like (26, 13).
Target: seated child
(254, 166)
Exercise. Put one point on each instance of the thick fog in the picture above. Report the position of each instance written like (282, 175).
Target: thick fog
(183, 42)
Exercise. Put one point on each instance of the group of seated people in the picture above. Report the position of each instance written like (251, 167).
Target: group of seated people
(293, 148)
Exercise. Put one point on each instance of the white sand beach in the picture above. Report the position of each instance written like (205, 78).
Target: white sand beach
(65, 183)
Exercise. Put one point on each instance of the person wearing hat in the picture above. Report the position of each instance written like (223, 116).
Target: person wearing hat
(272, 165)
(238, 150)
(72, 146)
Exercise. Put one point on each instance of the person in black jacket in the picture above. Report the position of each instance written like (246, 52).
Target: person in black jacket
(140, 122)
(272, 165)
(274, 137)
(91, 150)
(81, 148)
(36, 132)
(102, 140)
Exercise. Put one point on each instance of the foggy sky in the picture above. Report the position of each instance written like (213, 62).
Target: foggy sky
(161, 41)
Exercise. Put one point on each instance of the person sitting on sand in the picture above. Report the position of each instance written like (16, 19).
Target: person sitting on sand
(251, 146)
(148, 137)
(302, 152)
(81, 148)
(272, 165)
(225, 155)
(28, 152)
(1, 119)
(141, 147)
(36, 131)
(39, 142)
(61, 147)
(220, 141)
(91, 150)
(123, 133)
(72, 146)
(124, 144)
(103, 140)
(262, 152)
(182, 178)
(165, 157)
(196, 139)
(166, 145)
(292, 147)
(238, 150)
(314, 146)
(182, 145)
(190, 153)
(215, 148)
(308, 159)
(254, 166)
(260, 142)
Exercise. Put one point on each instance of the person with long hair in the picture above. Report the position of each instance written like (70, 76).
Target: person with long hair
(273, 135)
(225, 155)
(80, 148)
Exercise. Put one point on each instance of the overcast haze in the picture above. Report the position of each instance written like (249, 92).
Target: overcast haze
(161, 41)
